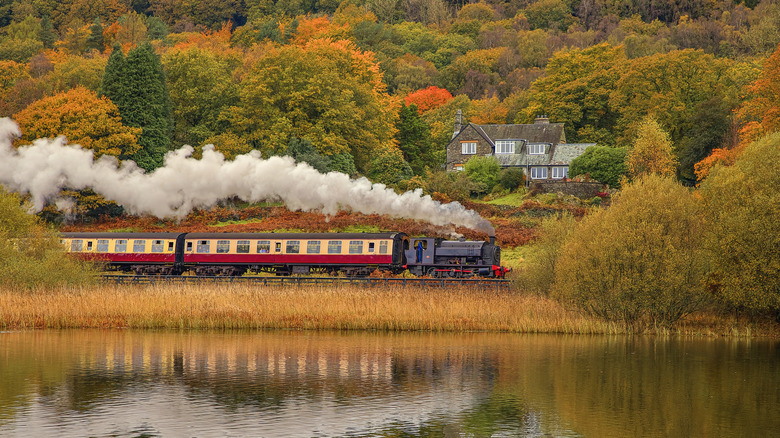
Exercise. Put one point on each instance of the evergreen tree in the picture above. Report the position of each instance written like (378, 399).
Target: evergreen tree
(95, 38)
(47, 35)
(415, 140)
(136, 85)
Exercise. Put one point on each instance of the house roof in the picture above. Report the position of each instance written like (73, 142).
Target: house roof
(556, 154)
(535, 133)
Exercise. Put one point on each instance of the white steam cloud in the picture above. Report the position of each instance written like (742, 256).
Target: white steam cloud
(183, 183)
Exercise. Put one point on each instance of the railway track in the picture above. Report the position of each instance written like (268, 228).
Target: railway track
(305, 280)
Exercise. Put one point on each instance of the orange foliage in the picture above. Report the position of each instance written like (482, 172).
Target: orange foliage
(761, 110)
(428, 98)
(489, 111)
(724, 157)
(215, 40)
(318, 27)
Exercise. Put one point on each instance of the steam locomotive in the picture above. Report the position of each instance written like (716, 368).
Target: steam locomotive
(232, 254)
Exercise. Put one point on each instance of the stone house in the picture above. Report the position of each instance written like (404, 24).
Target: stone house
(539, 149)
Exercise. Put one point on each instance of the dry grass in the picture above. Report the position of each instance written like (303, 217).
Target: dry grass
(311, 307)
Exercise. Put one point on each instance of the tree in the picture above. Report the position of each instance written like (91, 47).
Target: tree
(652, 152)
(31, 255)
(604, 164)
(95, 38)
(639, 262)
(303, 152)
(742, 203)
(760, 112)
(136, 85)
(428, 98)
(83, 118)
(327, 92)
(414, 139)
(389, 167)
(201, 87)
(483, 171)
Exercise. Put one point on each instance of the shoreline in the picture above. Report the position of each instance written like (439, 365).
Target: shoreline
(340, 307)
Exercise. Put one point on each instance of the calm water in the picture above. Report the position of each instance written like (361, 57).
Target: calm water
(287, 384)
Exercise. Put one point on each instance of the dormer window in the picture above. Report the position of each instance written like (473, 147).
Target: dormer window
(468, 147)
(536, 149)
(505, 147)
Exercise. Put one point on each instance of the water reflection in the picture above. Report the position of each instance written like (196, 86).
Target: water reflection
(124, 383)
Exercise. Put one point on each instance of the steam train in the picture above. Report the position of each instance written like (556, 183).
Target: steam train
(233, 254)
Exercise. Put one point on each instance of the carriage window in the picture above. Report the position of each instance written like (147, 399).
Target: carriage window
(189, 246)
(383, 247)
(102, 246)
(278, 247)
(313, 247)
(120, 246)
(89, 245)
(139, 245)
(334, 247)
(170, 246)
(76, 245)
(157, 246)
(356, 247)
(293, 247)
(223, 246)
(203, 246)
(242, 247)
(263, 246)
(371, 247)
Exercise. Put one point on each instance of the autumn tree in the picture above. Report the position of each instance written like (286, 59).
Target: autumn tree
(201, 86)
(639, 262)
(760, 112)
(83, 118)
(484, 172)
(742, 203)
(428, 98)
(327, 92)
(136, 85)
(651, 153)
(389, 167)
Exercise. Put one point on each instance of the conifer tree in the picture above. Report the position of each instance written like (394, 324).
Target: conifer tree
(136, 85)
(414, 139)
(95, 38)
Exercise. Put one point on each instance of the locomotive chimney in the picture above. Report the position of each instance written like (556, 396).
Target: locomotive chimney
(492, 240)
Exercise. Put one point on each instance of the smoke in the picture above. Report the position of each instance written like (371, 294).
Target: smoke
(46, 166)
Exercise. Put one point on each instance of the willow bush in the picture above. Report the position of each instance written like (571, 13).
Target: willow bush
(639, 262)
(30, 254)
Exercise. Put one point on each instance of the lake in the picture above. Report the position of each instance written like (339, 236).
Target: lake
(125, 383)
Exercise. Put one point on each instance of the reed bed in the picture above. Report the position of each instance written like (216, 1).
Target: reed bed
(343, 307)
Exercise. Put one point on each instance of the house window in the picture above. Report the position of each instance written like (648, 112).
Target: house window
(505, 147)
(560, 172)
(458, 167)
(538, 173)
(242, 247)
(334, 247)
(313, 247)
(468, 148)
(223, 246)
(536, 149)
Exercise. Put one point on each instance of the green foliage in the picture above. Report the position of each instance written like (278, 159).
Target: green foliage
(303, 151)
(483, 171)
(389, 167)
(343, 163)
(640, 261)
(454, 185)
(31, 256)
(742, 203)
(136, 85)
(511, 178)
(602, 163)
(95, 38)
(414, 139)
(538, 273)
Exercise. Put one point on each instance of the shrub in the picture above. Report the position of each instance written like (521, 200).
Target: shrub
(539, 273)
(604, 164)
(483, 171)
(511, 178)
(640, 261)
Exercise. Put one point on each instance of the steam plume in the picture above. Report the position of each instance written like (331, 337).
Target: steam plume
(183, 183)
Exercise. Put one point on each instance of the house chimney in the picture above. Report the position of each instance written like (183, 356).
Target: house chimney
(458, 123)
(541, 120)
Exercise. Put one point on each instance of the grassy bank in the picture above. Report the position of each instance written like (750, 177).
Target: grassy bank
(320, 308)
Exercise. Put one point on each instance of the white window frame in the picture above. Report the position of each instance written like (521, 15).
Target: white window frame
(560, 172)
(468, 148)
(536, 171)
(505, 147)
(536, 149)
